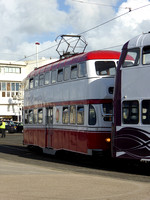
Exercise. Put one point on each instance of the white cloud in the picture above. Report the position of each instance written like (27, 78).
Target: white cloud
(23, 22)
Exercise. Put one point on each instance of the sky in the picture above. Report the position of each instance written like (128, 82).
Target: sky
(103, 24)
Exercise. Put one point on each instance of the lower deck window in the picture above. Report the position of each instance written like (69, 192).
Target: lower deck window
(130, 112)
(72, 114)
(146, 111)
(107, 109)
(40, 116)
(80, 115)
(30, 116)
(92, 115)
(65, 118)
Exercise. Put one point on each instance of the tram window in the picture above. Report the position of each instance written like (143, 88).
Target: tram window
(146, 111)
(66, 73)
(47, 76)
(36, 81)
(27, 84)
(41, 79)
(60, 75)
(74, 72)
(72, 114)
(80, 115)
(107, 111)
(26, 116)
(35, 116)
(65, 117)
(50, 115)
(146, 55)
(130, 112)
(53, 79)
(82, 69)
(134, 55)
(92, 115)
(104, 68)
(31, 83)
(40, 116)
(30, 116)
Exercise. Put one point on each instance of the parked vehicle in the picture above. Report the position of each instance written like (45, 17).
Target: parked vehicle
(19, 126)
(10, 126)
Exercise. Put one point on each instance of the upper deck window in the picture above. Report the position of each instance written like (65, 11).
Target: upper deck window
(41, 79)
(146, 55)
(132, 58)
(27, 84)
(54, 75)
(104, 68)
(74, 72)
(66, 73)
(47, 78)
(60, 75)
(31, 83)
(82, 69)
(36, 81)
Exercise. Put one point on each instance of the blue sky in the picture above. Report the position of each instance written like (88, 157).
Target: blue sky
(26, 21)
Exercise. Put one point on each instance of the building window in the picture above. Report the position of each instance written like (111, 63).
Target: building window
(3, 86)
(146, 111)
(8, 86)
(9, 89)
(3, 94)
(130, 112)
(80, 115)
(16, 70)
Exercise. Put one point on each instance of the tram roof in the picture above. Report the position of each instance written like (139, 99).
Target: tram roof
(93, 55)
(138, 41)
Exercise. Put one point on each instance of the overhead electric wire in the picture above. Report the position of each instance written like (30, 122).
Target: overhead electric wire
(99, 4)
(131, 10)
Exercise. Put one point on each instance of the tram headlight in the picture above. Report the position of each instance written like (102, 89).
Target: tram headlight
(108, 140)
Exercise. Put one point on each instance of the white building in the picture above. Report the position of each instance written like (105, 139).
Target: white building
(12, 75)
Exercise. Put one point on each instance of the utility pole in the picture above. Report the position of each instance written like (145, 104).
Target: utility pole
(37, 44)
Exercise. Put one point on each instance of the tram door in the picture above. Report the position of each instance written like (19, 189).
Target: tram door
(49, 124)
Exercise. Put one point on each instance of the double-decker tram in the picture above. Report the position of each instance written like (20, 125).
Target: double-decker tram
(131, 130)
(68, 104)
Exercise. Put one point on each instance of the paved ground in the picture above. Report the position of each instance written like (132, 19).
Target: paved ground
(30, 182)
(24, 178)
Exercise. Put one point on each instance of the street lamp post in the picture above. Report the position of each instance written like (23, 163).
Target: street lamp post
(37, 44)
